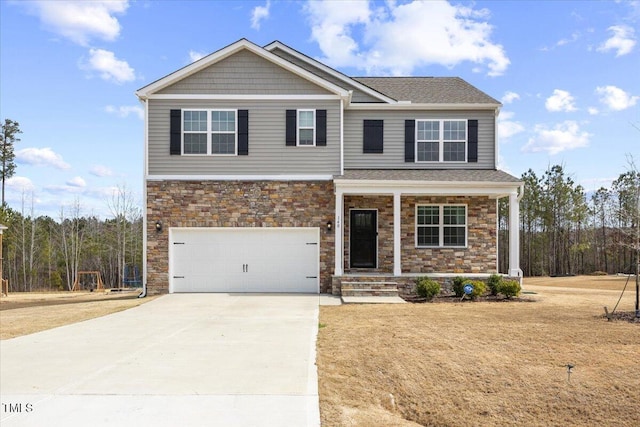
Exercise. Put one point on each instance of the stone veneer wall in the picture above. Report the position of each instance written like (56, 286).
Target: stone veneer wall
(480, 255)
(236, 204)
(384, 206)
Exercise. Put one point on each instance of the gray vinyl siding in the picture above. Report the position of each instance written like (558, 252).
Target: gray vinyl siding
(358, 95)
(268, 153)
(244, 73)
(393, 155)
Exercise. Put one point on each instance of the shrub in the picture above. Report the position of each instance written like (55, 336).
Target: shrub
(509, 288)
(458, 284)
(494, 284)
(479, 288)
(427, 288)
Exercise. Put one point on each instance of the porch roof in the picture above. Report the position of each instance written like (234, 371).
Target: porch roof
(431, 175)
(454, 182)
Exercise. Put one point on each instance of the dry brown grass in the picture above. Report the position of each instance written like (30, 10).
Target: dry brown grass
(484, 363)
(26, 313)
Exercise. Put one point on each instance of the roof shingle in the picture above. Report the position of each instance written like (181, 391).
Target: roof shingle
(428, 90)
(433, 175)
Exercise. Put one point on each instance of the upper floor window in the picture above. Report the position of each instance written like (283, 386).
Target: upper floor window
(441, 140)
(441, 226)
(306, 127)
(211, 132)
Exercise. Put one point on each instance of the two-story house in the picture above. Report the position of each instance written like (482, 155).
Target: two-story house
(268, 171)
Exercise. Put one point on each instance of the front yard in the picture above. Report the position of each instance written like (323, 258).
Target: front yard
(446, 364)
(484, 363)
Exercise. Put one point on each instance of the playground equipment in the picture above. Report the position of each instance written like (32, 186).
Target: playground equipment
(96, 284)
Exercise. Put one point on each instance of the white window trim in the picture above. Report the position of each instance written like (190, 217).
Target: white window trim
(441, 141)
(298, 127)
(441, 226)
(210, 132)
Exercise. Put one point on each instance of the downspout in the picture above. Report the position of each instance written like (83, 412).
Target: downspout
(143, 294)
(343, 103)
(497, 143)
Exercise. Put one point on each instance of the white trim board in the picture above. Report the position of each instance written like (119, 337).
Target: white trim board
(239, 177)
(245, 97)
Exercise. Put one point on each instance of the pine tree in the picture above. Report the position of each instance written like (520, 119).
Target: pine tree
(10, 130)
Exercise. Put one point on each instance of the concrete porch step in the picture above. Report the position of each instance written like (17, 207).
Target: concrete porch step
(372, 300)
(369, 289)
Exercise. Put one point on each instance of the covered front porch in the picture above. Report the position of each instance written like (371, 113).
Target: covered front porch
(392, 226)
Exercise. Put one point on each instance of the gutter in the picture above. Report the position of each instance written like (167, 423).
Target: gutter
(145, 102)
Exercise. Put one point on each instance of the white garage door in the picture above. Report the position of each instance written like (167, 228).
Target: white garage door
(244, 260)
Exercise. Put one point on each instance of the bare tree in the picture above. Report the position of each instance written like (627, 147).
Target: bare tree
(125, 213)
(72, 237)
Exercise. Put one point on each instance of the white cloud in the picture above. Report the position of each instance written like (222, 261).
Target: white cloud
(259, 14)
(563, 136)
(41, 157)
(509, 97)
(109, 67)
(507, 127)
(593, 111)
(397, 38)
(20, 184)
(77, 181)
(100, 171)
(125, 110)
(195, 56)
(615, 98)
(64, 190)
(81, 21)
(561, 100)
(622, 41)
(574, 37)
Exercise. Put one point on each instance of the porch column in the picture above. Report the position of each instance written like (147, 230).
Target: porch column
(397, 234)
(514, 235)
(339, 233)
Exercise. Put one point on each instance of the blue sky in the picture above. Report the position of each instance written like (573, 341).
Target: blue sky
(566, 72)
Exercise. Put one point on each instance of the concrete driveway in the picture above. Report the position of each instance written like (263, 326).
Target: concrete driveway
(182, 359)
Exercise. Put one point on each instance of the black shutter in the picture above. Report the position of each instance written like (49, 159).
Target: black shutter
(292, 124)
(321, 128)
(409, 141)
(243, 132)
(472, 130)
(175, 131)
(373, 136)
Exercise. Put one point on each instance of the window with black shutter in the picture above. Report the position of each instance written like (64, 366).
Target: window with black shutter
(373, 131)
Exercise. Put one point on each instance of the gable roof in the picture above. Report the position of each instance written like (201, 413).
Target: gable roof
(394, 92)
(242, 44)
(314, 66)
(428, 90)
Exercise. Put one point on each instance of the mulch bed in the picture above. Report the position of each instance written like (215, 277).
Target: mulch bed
(455, 299)
(625, 316)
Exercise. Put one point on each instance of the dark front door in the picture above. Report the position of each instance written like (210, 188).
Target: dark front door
(364, 238)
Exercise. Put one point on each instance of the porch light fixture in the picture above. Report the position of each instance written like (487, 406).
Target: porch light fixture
(158, 226)
(329, 226)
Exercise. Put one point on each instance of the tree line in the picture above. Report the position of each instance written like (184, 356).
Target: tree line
(565, 231)
(44, 253)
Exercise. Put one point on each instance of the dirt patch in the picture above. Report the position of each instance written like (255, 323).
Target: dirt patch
(483, 363)
(26, 313)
